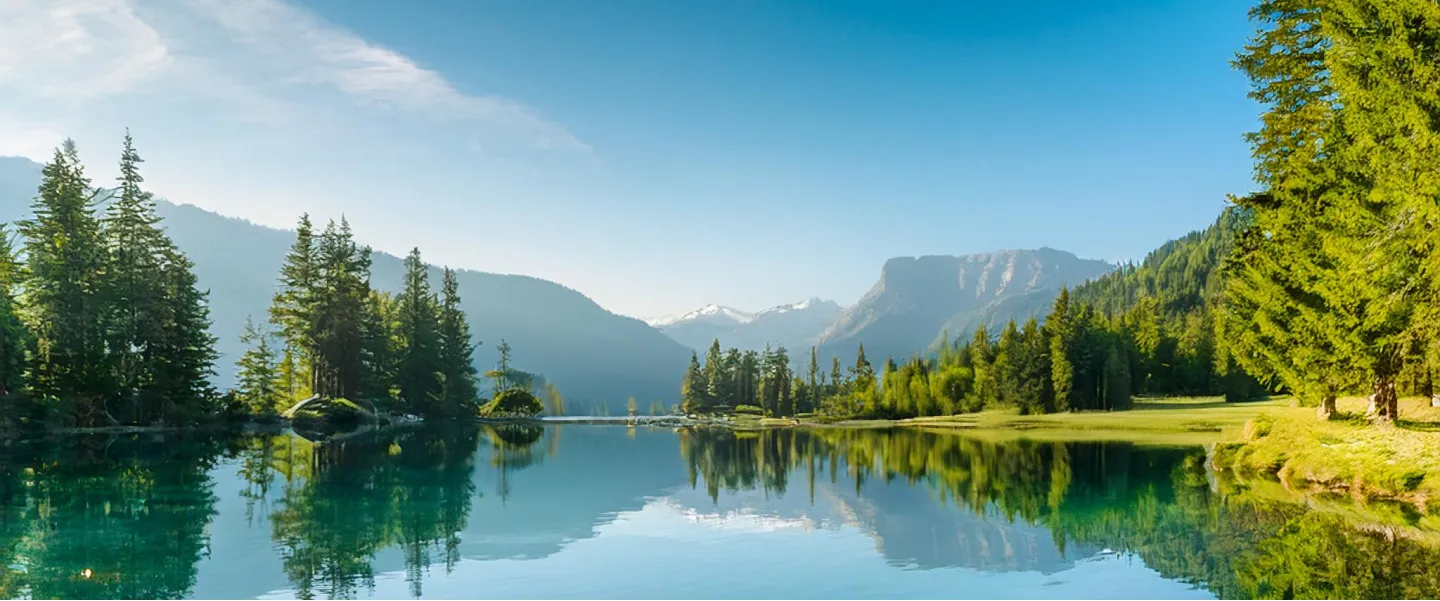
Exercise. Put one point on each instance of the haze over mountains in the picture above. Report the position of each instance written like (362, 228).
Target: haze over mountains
(918, 298)
(915, 300)
(593, 354)
(796, 325)
(590, 353)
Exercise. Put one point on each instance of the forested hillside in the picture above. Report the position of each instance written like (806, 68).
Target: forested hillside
(1150, 328)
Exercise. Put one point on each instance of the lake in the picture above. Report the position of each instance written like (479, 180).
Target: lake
(470, 511)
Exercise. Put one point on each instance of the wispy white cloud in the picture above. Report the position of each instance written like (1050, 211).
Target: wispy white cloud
(69, 49)
(266, 55)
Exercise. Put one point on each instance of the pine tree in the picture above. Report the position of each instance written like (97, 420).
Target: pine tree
(63, 306)
(1277, 323)
(1009, 356)
(1385, 71)
(381, 348)
(500, 376)
(14, 337)
(813, 382)
(716, 388)
(419, 348)
(256, 373)
(1116, 381)
(1037, 393)
(460, 393)
(185, 351)
(781, 379)
(343, 276)
(133, 289)
(692, 388)
(982, 359)
(1062, 337)
(293, 311)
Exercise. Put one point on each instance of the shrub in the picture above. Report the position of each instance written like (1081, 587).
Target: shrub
(515, 402)
(748, 410)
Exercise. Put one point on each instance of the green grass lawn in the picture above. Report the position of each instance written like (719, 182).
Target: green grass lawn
(1345, 454)
(1161, 420)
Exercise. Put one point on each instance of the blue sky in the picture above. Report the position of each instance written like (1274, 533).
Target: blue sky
(658, 155)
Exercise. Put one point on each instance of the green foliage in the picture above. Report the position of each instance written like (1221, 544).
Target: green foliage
(514, 402)
(418, 343)
(459, 391)
(65, 260)
(1337, 273)
(413, 352)
(110, 307)
(748, 410)
(256, 388)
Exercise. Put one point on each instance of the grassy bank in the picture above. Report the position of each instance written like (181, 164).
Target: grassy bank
(1156, 421)
(1345, 455)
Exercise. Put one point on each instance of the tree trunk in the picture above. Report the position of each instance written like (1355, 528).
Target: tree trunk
(1326, 411)
(1435, 400)
(1385, 402)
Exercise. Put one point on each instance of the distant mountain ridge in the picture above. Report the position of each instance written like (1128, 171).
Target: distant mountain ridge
(918, 298)
(590, 353)
(794, 325)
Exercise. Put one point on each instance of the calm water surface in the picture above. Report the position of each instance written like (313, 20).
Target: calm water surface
(608, 511)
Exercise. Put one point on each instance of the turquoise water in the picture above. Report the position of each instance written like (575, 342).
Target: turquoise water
(610, 512)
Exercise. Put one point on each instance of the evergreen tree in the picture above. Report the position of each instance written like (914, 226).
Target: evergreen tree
(692, 387)
(185, 351)
(133, 289)
(1382, 224)
(500, 377)
(813, 382)
(14, 337)
(343, 276)
(381, 346)
(1007, 367)
(63, 306)
(293, 311)
(982, 360)
(256, 373)
(1035, 373)
(716, 385)
(460, 393)
(1116, 381)
(782, 379)
(1062, 337)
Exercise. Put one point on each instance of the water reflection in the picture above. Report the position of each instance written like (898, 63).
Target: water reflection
(168, 517)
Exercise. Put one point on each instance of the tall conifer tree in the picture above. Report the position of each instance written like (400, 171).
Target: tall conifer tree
(457, 351)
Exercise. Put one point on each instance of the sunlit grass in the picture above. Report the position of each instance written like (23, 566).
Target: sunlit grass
(1196, 420)
(1347, 454)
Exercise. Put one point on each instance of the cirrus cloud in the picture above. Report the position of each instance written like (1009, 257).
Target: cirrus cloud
(242, 59)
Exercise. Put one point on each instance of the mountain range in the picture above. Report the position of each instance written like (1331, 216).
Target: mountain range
(914, 302)
(591, 354)
(797, 325)
(596, 356)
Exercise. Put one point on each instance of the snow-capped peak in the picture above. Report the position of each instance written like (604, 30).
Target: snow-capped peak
(803, 305)
(709, 312)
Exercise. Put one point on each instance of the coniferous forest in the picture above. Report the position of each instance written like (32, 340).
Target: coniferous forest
(102, 324)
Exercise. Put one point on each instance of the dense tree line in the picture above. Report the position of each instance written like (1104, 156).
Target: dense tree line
(1148, 329)
(101, 322)
(1334, 288)
(337, 337)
